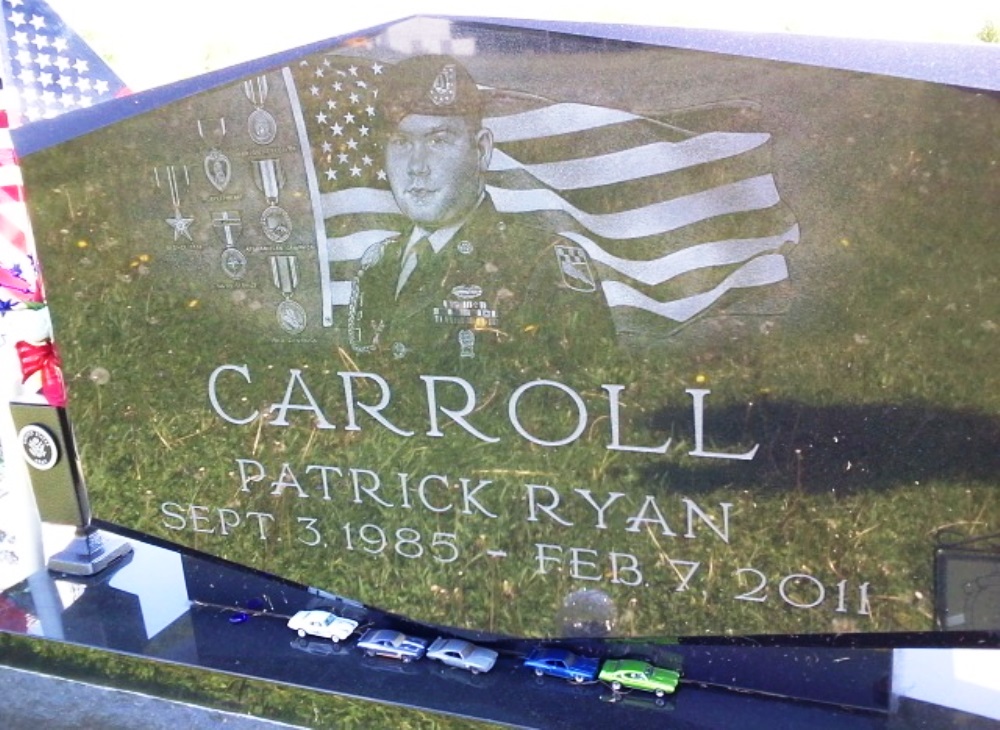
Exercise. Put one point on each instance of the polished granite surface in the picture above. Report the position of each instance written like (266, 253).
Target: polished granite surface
(173, 605)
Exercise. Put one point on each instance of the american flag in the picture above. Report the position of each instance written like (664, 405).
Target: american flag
(47, 70)
(674, 219)
(51, 69)
(19, 280)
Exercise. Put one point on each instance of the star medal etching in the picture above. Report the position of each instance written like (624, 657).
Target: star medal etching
(218, 168)
(285, 274)
(260, 123)
(178, 222)
(228, 226)
(275, 221)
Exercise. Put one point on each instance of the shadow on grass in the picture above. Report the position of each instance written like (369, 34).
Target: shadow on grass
(843, 448)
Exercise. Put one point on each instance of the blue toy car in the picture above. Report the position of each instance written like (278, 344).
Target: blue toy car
(388, 643)
(563, 664)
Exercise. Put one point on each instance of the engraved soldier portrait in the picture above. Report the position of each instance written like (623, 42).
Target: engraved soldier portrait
(462, 280)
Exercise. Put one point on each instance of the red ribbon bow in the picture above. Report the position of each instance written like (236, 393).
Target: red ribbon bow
(44, 359)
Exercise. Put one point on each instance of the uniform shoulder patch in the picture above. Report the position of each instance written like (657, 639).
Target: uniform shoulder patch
(574, 266)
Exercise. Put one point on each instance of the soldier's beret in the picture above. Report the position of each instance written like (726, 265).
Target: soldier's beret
(434, 85)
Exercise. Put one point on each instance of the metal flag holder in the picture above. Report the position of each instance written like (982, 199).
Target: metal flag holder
(46, 439)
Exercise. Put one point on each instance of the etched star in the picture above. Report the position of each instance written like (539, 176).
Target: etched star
(366, 161)
(318, 73)
(327, 147)
(380, 174)
(331, 104)
(337, 86)
(364, 130)
(17, 19)
(349, 118)
(342, 158)
(355, 171)
(352, 144)
(336, 129)
(376, 68)
(361, 84)
(321, 118)
(354, 98)
(314, 90)
(37, 21)
(370, 110)
(331, 174)
(352, 70)
(181, 226)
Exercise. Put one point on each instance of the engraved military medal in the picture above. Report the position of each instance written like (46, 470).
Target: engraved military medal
(179, 223)
(285, 274)
(218, 168)
(228, 226)
(260, 124)
(270, 178)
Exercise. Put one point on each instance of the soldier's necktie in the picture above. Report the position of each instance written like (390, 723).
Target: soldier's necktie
(411, 257)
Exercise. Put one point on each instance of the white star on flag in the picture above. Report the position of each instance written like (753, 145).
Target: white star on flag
(47, 85)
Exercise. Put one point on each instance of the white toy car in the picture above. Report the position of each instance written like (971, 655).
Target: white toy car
(324, 624)
(462, 654)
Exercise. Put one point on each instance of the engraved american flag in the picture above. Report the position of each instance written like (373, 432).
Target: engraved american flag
(679, 223)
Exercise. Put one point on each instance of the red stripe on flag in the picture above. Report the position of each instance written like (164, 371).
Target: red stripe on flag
(11, 194)
(13, 235)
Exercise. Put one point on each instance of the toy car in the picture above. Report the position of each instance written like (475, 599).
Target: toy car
(462, 654)
(639, 675)
(389, 643)
(324, 624)
(563, 664)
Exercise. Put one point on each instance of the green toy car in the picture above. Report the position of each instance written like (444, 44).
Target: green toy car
(633, 674)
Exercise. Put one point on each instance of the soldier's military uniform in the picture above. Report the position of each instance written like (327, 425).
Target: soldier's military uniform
(502, 287)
